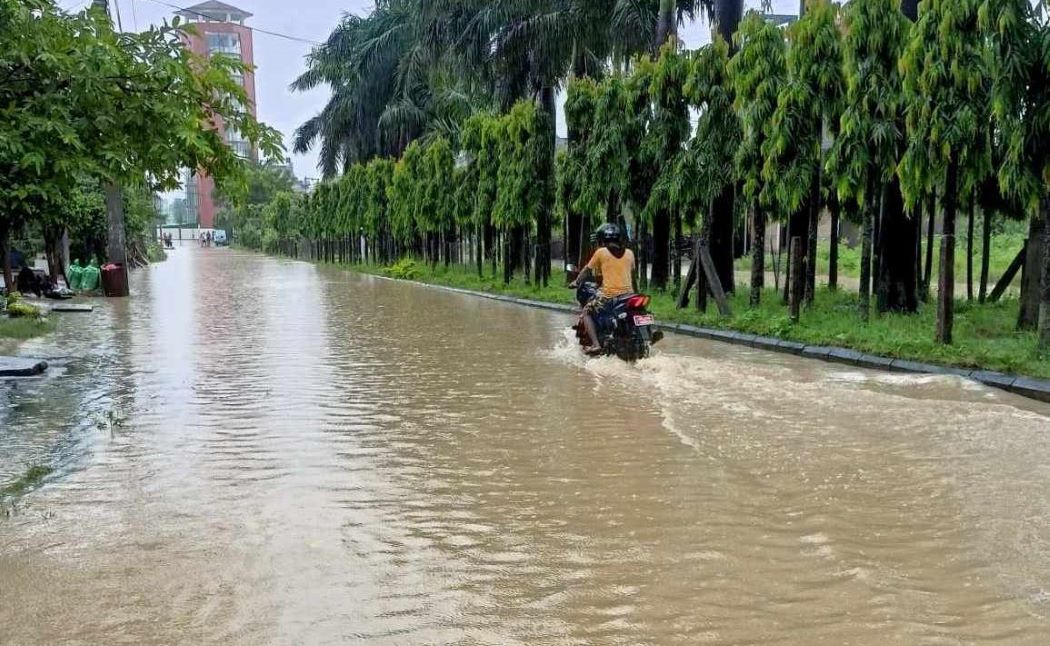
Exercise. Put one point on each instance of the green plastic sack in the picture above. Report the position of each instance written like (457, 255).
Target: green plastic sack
(90, 277)
(76, 275)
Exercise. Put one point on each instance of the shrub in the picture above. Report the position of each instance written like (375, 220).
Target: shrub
(404, 269)
(22, 310)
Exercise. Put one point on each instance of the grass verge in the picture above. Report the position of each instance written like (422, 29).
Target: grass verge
(985, 335)
(21, 329)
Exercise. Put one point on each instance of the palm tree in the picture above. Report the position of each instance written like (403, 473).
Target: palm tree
(391, 84)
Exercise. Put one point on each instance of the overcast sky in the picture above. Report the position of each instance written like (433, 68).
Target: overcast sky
(280, 60)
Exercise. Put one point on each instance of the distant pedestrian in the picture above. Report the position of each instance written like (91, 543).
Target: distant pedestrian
(209, 238)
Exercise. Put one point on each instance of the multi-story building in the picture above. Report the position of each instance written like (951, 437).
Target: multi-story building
(217, 28)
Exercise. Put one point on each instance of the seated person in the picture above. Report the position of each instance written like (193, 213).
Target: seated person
(29, 283)
(615, 265)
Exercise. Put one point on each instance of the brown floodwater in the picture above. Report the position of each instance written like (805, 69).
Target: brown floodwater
(257, 451)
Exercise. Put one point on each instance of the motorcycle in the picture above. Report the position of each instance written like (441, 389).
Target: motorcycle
(625, 326)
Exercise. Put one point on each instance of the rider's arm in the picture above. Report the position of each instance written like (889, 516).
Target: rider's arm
(588, 272)
(585, 275)
(634, 265)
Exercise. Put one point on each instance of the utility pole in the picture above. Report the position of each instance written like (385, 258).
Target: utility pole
(116, 248)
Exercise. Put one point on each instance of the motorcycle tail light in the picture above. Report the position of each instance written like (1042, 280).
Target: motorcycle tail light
(638, 302)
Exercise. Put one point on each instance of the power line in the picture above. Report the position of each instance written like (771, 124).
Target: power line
(255, 29)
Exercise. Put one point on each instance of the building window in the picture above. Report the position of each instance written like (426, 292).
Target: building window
(224, 44)
(236, 142)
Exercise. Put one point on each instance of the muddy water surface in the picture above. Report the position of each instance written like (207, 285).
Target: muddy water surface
(255, 451)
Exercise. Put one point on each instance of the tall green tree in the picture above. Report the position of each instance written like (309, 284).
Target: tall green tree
(758, 72)
(40, 152)
(896, 271)
(666, 132)
(378, 68)
(867, 149)
(945, 89)
(708, 169)
(1019, 37)
(808, 104)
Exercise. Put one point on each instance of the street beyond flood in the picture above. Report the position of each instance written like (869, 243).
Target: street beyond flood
(261, 451)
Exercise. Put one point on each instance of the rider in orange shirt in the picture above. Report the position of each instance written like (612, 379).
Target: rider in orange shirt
(614, 264)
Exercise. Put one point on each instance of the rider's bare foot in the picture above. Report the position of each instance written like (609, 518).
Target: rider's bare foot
(592, 350)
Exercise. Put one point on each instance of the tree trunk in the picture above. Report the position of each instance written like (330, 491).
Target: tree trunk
(1031, 288)
(490, 245)
(450, 244)
(509, 255)
(833, 252)
(50, 248)
(63, 252)
(917, 268)
(727, 14)
(795, 270)
(573, 238)
(798, 226)
(931, 215)
(666, 23)
(116, 247)
(676, 263)
(1044, 292)
(811, 241)
(895, 281)
(721, 243)
(876, 258)
(543, 226)
(661, 247)
(946, 282)
(986, 250)
(643, 256)
(910, 8)
(5, 256)
(969, 247)
(864, 290)
(758, 255)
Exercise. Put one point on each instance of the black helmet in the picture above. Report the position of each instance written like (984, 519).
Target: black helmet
(609, 234)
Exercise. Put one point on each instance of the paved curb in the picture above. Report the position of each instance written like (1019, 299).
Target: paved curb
(1030, 387)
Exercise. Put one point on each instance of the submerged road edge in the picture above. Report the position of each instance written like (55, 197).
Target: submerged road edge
(1030, 387)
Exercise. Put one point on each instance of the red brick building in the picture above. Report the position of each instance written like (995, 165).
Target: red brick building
(218, 28)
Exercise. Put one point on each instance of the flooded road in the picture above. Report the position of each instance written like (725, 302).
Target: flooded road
(255, 451)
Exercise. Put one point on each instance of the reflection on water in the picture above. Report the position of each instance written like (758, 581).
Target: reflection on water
(254, 451)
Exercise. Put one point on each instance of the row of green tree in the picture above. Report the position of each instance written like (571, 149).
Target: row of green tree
(87, 112)
(484, 199)
(888, 113)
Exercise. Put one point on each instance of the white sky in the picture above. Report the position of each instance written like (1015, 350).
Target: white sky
(279, 60)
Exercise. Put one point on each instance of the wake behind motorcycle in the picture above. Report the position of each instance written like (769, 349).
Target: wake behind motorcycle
(625, 326)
